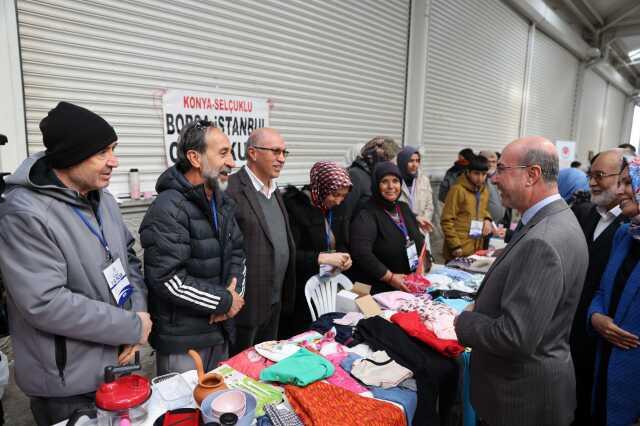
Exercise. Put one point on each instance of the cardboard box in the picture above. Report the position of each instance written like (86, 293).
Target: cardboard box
(358, 299)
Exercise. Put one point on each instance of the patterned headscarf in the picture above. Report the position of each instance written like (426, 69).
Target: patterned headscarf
(326, 178)
(634, 173)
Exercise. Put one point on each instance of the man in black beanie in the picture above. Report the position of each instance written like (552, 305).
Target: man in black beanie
(76, 298)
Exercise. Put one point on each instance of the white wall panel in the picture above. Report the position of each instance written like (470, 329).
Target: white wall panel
(613, 118)
(552, 91)
(476, 55)
(335, 71)
(590, 118)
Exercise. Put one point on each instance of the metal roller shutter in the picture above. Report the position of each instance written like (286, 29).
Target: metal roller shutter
(335, 71)
(552, 92)
(476, 56)
(590, 120)
(613, 117)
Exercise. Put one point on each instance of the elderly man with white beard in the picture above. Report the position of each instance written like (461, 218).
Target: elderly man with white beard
(194, 259)
(599, 220)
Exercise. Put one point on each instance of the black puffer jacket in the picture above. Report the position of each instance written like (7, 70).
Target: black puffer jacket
(188, 265)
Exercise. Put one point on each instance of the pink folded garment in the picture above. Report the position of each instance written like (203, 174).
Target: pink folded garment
(249, 362)
(393, 299)
(340, 377)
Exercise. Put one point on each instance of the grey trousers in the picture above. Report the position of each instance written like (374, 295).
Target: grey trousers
(179, 363)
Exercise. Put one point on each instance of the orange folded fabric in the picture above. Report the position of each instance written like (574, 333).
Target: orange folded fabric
(323, 404)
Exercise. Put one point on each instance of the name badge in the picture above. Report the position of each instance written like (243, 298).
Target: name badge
(475, 230)
(118, 282)
(412, 255)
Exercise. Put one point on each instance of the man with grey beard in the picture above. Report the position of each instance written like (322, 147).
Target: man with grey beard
(599, 220)
(194, 260)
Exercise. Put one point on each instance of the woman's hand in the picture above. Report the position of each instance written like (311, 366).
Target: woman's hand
(605, 326)
(487, 227)
(424, 224)
(397, 281)
(341, 261)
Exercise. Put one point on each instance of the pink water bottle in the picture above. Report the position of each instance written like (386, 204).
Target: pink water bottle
(134, 184)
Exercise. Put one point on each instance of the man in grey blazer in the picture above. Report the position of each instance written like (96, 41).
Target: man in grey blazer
(521, 367)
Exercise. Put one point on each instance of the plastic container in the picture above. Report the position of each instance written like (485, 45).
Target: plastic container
(173, 390)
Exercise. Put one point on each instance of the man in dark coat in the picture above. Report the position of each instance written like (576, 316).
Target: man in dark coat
(599, 221)
(194, 261)
(269, 243)
(454, 172)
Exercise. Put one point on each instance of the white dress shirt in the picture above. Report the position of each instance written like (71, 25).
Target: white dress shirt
(606, 218)
(259, 186)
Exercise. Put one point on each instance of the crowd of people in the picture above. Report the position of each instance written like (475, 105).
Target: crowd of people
(553, 329)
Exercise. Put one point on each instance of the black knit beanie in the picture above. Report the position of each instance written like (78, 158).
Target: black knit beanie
(72, 134)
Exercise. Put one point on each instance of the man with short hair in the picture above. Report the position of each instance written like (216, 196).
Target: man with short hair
(193, 253)
(496, 208)
(76, 298)
(599, 220)
(269, 245)
(521, 369)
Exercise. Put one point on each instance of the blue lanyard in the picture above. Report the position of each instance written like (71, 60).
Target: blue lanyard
(214, 212)
(327, 236)
(99, 235)
(399, 223)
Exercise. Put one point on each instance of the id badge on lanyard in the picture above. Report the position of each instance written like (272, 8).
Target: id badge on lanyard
(412, 255)
(113, 270)
(475, 229)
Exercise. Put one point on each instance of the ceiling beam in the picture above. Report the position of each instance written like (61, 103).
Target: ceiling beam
(593, 11)
(621, 31)
(578, 13)
(623, 11)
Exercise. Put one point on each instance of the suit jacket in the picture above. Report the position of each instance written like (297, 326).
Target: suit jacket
(521, 368)
(259, 252)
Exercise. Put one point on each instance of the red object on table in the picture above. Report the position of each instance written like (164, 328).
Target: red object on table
(123, 393)
(413, 325)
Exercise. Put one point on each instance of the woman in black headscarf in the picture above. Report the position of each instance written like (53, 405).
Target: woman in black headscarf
(385, 237)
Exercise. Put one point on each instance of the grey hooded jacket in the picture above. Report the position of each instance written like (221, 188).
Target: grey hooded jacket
(58, 298)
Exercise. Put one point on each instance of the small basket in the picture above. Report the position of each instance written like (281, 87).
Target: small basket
(173, 390)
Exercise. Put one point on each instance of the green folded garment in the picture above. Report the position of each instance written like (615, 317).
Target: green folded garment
(300, 369)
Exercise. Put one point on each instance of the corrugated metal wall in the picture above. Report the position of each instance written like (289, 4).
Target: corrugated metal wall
(476, 58)
(334, 70)
(552, 92)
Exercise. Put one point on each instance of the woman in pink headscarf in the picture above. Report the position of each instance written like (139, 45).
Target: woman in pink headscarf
(319, 231)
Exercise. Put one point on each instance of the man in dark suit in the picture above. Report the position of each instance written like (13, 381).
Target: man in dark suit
(599, 220)
(521, 369)
(269, 246)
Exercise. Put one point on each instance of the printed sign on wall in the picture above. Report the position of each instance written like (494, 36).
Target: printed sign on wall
(236, 116)
(566, 153)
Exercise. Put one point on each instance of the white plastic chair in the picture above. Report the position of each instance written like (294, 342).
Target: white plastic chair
(322, 292)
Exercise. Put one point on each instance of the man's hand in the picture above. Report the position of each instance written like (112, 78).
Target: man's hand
(424, 224)
(127, 354)
(457, 252)
(237, 302)
(470, 307)
(341, 261)
(487, 227)
(605, 326)
(145, 320)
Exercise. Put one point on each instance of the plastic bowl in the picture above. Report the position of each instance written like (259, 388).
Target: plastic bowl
(233, 401)
(245, 420)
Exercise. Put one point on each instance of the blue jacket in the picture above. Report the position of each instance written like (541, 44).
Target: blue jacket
(623, 382)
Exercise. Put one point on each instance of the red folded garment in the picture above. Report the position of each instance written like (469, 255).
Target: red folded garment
(323, 404)
(411, 323)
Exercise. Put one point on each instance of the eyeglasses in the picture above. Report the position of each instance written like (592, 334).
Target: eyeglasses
(276, 151)
(598, 176)
(501, 168)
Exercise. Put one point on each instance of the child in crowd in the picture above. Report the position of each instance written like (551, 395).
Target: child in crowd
(466, 220)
